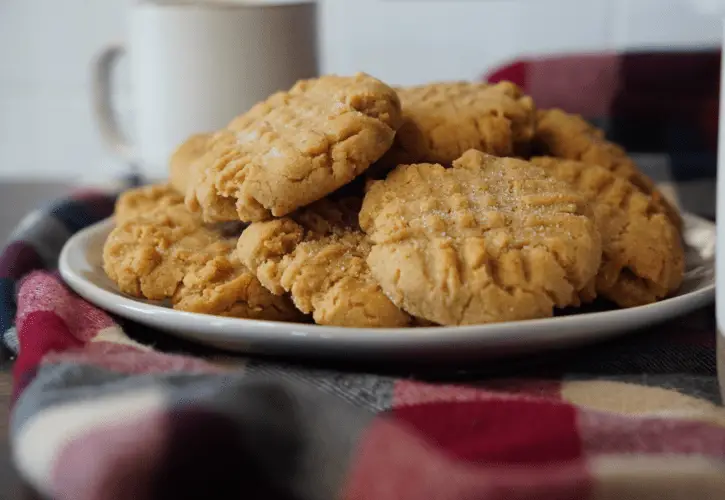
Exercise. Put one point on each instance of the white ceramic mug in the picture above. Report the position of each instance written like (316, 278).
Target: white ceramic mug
(196, 65)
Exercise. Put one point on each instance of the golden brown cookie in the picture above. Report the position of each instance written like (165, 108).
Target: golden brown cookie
(318, 255)
(642, 256)
(142, 200)
(185, 155)
(490, 239)
(295, 148)
(168, 253)
(441, 121)
(571, 137)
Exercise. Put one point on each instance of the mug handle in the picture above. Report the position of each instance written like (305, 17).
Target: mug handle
(102, 86)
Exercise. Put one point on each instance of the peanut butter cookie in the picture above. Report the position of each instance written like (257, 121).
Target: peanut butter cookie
(166, 252)
(568, 136)
(642, 256)
(441, 121)
(145, 199)
(318, 254)
(294, 148)
(490, 239)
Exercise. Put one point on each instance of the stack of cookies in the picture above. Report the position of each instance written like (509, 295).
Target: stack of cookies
(346, 202)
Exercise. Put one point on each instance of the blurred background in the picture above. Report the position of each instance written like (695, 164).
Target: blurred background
(48, 131)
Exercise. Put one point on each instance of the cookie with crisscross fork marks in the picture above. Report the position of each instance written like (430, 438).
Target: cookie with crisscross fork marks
(490, 239)
(441, 121)
(167, 252)
(317, 254)
(642, 256)
(568, 136)
(294, 148)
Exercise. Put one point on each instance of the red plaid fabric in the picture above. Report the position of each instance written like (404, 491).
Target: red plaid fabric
(101, 416)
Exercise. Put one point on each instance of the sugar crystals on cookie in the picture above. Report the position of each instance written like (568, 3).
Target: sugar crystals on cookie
(489, 239)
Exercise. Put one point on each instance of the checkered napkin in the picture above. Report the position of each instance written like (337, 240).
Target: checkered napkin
(106, 409)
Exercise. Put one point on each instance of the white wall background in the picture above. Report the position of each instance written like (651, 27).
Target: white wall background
(46, 46)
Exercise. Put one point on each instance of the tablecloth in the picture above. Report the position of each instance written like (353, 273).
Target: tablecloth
(107, 409)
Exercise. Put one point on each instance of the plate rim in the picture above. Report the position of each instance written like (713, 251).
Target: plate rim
(239, 330)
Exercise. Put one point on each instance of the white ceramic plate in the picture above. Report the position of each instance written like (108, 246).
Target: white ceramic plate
(80, 266)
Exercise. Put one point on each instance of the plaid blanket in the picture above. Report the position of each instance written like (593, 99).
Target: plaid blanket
(106, 409)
